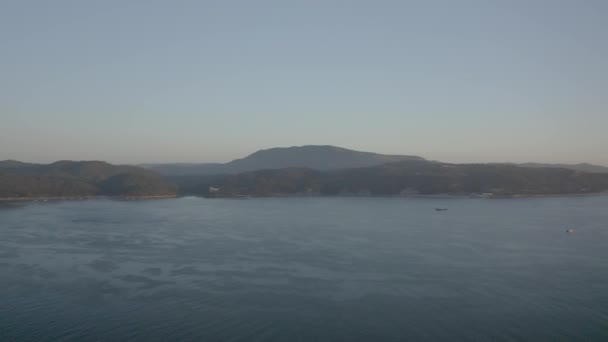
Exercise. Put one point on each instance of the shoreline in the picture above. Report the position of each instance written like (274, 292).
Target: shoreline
(176, 196)
(84, 198)
(438, 196)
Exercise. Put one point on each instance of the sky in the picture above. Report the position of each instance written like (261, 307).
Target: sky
(210, 81)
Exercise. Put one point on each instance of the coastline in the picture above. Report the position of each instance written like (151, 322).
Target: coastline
(83, 198)
(175, 196)
(438, 196)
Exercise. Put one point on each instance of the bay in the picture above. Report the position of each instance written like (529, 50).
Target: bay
(305, 269)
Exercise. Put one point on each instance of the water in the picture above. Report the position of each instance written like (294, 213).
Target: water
(305, 269)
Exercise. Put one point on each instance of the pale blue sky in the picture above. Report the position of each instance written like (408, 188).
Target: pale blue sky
(157, 81)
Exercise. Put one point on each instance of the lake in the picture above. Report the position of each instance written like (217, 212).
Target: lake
(305, 269)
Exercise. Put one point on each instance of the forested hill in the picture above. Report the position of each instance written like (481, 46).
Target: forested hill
(410, 177)
(401, 178)
(317, 157)
(79, 178)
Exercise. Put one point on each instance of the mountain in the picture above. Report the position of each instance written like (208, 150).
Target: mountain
(79, 178)
(317, 157)
(585, 167)
(414, 177)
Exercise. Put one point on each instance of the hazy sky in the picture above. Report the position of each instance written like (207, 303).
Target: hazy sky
(155, 81)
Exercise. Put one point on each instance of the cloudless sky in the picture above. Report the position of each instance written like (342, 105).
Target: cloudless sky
(204, 81)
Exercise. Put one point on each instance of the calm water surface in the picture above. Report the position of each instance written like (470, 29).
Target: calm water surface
(305, 269)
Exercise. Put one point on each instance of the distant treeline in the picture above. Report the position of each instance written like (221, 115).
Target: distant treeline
(410, 177)
(79, 178)
(400, 178)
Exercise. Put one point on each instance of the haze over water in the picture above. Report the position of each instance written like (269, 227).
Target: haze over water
(303, 269)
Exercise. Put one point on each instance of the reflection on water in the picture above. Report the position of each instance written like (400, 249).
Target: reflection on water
(301, 269)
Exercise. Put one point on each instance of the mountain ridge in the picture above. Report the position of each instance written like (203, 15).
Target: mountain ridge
(318, 157)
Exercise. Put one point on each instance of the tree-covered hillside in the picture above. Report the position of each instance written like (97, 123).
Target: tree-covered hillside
(79, 178)
(401, 178)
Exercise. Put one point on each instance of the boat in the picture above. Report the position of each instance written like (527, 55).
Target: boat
(441, 209)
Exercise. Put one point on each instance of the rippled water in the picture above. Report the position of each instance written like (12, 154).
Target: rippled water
(305, 269)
